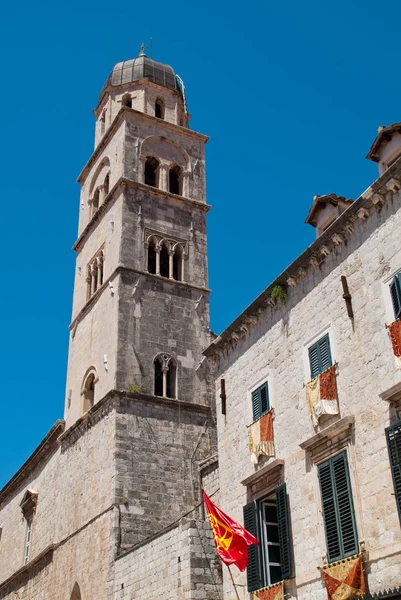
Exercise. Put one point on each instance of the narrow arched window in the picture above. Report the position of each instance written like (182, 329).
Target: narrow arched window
(89, 392)
(177, 263)
(151, 166)
(159, 109)
(152, 257)
(174, 179)
(164, 261)
(106, 186)
(127, 100)
(165, 374)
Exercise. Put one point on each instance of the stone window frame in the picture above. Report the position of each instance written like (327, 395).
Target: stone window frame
(95, 273)
(334, 439)
(91, 372)
(386, 294)
(172, 243)
(166, 359)
(99, 195)
(28, 507)
(264, 378)
(328, 329)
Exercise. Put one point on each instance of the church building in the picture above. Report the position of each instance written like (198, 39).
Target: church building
(290, 419)
(109, 504)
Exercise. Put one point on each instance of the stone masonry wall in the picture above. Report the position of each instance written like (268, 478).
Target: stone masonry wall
(158, 447)
(276, 349)
(74, 512)
(180, 564)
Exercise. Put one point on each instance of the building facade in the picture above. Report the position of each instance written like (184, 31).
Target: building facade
(108, 506)
(308, 393)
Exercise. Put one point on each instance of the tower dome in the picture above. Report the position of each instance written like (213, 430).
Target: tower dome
(134, 69)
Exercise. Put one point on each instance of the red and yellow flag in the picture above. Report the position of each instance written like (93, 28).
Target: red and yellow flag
(272, 592)
(231, 539)
(345, 579)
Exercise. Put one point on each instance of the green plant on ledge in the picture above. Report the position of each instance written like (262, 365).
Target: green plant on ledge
(134, 387)
(279, 294)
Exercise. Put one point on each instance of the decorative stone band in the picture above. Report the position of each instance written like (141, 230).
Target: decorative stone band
(395, 336)
(321, 395)
(261, 437)
(271, 592)
(345, 579)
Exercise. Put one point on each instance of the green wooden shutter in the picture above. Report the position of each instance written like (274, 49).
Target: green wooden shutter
(264, 398)
(256, 408)
(395, 290)
(338, 508)
(253, 568)
(283, 518)
(320, 356)
(314, 361)
(325, 354)
(393, 435)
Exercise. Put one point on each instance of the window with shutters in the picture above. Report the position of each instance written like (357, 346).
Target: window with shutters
(260, 401)
(395, 291)
(268, 520)
(393, 435)
(320, 356)
(338, 508)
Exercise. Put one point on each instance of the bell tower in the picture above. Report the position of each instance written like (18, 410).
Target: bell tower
(140, 311)
(140, 317)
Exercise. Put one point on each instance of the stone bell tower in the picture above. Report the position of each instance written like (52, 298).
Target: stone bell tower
(141, 302)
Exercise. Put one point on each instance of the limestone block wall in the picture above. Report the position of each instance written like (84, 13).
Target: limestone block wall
(74, 513)
(180, 564)
(158, 447)
(175, 145)
(169, 218)
(110, 155)
(276, 349)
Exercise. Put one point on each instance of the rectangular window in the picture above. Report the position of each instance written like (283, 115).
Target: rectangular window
(395, 290)
(338, 508)
(260, 401)
(320, 356)
(268, 520)
(28, 540)
(393, 435)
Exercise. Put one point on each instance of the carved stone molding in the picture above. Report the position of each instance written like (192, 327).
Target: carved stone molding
(265, 479)
(330, 440)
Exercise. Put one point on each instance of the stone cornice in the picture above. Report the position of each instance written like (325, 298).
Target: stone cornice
(278, 463)
(117, 189)
(45, 448)
(371, 200)
(122, 269)
(125, 111)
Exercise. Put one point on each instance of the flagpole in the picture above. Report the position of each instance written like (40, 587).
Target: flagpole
(232, 579)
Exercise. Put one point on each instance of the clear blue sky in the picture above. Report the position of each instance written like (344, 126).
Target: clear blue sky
(291, 94)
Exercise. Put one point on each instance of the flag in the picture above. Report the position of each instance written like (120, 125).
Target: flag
(272, 592)
(261, 437)
(395, 336)
(321, 395)
(345, 579)
(231, 539)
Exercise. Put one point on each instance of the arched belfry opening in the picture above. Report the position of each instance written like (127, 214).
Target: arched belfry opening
(126, 100)
(151, 171)
(165, 376)
(159, 108)
(164, 260)
(152, 260)
(76, 593)
(175, 180)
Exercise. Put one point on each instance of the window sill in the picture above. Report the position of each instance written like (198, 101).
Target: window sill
(330, 441)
